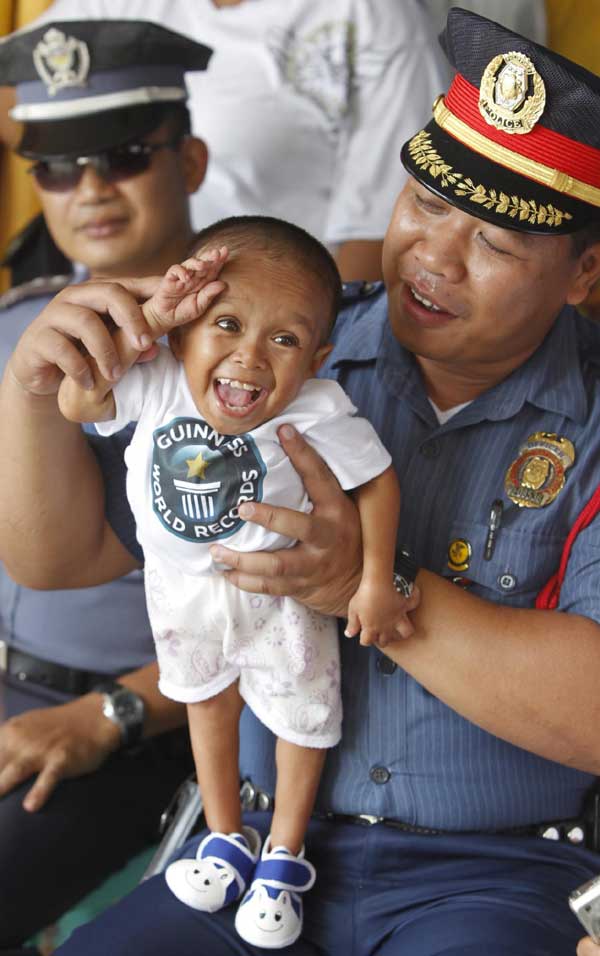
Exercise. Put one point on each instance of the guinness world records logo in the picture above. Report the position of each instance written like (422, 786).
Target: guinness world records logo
(199, 479)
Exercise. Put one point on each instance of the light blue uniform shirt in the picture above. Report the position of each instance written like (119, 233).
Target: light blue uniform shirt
(103, 629)
(405, 754)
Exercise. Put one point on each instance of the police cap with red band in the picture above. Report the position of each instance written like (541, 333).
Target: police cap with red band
(516, 139)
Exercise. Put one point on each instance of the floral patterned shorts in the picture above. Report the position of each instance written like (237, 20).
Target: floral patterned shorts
(209, 634)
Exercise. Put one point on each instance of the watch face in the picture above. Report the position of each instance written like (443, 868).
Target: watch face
(125, 709)
(402, 586)
(127, 706)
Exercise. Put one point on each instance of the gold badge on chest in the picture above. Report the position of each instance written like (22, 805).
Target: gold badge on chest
(537, 475)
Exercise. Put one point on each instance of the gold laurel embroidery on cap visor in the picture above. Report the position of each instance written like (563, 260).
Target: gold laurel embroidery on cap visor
(429, 160)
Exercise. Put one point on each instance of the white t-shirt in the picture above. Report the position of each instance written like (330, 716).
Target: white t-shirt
(305, 104)
(185, 481)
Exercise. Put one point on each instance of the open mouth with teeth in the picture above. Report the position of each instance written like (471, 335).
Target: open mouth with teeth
(426, 303)
(238, 398)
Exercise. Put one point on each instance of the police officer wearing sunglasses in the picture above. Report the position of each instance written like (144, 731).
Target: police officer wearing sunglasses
(90, 753)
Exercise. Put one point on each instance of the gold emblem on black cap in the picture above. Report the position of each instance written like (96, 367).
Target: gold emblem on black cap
(61, 61)
(512, 95)
(537, 475)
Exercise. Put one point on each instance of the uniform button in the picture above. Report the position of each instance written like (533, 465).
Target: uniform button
(430, 449)
(507, 581)
(263, 801)
(379, 774)
(385, 666)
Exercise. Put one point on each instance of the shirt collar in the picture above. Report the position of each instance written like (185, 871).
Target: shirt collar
(551, 379)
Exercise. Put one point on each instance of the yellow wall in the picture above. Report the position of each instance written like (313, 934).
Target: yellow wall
(574, 30)
(18, 199)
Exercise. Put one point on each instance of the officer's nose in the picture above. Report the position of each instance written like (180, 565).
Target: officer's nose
(441, 251)
(93, 187)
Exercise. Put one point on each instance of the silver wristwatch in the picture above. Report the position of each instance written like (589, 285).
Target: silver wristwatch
(405, 572)
(125, 708)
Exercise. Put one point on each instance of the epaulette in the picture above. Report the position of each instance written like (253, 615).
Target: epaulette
(353, 292)
(42, 285)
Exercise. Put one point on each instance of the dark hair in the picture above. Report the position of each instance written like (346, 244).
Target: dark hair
(585, 237)
(278, 238)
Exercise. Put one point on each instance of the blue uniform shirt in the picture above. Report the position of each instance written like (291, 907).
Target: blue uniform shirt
(103, 629)
(404, 753)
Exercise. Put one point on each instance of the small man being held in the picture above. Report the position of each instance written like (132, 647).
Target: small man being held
(248, 320)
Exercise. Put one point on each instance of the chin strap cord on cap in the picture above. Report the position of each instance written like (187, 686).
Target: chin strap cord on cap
(549, 596)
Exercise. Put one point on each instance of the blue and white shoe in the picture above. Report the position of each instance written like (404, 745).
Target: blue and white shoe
(270, 914)
(219, 874)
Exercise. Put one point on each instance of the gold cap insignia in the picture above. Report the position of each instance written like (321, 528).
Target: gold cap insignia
(61, 61)
(537, 476)
(512, 95)
(459, 554)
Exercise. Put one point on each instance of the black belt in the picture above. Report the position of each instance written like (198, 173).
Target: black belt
(578, 832)
(68, 680)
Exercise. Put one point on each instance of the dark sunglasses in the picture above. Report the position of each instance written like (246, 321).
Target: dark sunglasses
(112, 165)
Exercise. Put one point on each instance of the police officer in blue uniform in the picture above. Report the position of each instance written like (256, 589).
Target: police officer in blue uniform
(451, 818)
(90, 752)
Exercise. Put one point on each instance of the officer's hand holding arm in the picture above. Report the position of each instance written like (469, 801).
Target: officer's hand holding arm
(63, 540)
(182, 296)
(520, 674)
(72, 739)
(323, 570)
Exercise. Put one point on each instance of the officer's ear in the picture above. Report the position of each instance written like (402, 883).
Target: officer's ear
(194, 157)
(586, 275)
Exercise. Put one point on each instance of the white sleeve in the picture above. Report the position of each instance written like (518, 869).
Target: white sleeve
(399, 71)
(129, 400)
(351, 448)
(347, 443)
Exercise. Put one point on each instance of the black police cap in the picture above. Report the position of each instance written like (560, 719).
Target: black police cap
(516, 140)
(84, 86)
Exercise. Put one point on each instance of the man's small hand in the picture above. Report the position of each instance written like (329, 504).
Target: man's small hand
(54, 743)
(186, 291)
(379, 614)
(323, 569)
(72, 324)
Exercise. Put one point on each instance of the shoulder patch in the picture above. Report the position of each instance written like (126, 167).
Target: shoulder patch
(42, 285)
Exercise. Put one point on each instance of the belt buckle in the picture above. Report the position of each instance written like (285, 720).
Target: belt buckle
(3, 656)
(368, 819)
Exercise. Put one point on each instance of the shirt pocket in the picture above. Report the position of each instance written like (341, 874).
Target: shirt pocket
(521, 563)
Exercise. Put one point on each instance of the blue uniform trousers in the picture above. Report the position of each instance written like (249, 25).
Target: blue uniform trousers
(379, 891)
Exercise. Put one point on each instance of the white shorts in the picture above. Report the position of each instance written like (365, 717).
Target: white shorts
(209, 634)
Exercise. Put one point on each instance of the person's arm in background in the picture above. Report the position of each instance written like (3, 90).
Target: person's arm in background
(48, 460)
(399, 69)
(75, 738)
(65, 541)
